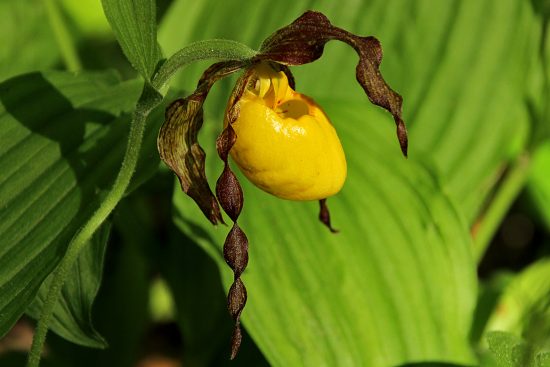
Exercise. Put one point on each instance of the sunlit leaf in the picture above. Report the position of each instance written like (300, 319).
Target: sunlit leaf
(463, 89)
(72, 315)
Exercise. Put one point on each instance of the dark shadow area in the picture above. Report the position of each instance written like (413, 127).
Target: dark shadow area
(542, 8)
(519, 241)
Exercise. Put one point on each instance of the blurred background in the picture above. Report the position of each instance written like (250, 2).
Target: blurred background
(474, 77)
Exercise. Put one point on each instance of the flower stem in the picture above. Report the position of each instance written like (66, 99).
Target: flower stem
(62, 36)
(82, 236)
(218, 49)
(150, 98)
(501, 203)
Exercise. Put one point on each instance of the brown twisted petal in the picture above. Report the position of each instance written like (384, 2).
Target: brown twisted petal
(229, 193)
(237, 298)
(230, 197)
(236, 339)
(303, 41)
(235, 250)
(228, 189)
(225, 141)
(178, 145)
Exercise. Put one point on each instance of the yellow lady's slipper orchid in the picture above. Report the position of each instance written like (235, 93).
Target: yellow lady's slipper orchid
(281, 140)
(285, 143)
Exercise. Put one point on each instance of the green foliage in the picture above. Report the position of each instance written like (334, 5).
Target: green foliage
(524, 307)
(55, 127)
(511, 351)
(25, 23)
(396, 287)
(462, 62)
(134, 25)
(539, 181)
(335, 286)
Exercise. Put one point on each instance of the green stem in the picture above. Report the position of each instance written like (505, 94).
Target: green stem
(506, 193)
(218, 49)
(62, 36)
(80, 239)
(150, 98)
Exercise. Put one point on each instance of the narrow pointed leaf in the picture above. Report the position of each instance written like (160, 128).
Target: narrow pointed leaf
(135, 26)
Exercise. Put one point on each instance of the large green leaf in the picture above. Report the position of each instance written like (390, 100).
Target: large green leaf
(72, 315)
(25, 35)
(135, 26)
(61, 144)
(396, 285)
(460, 66)
(463, 87)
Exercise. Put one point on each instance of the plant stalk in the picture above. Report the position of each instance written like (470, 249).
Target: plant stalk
(501, 203)
(82, 236)
(218, 49)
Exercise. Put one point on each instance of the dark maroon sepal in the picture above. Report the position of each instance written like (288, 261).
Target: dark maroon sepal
(303, 41)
